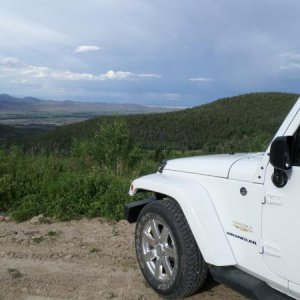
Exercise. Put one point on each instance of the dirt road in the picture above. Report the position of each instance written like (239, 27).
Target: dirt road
(86, 259)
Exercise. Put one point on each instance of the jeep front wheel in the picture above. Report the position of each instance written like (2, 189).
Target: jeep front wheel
(167, 252)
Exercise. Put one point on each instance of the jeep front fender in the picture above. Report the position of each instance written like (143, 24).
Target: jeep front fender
(199, 211)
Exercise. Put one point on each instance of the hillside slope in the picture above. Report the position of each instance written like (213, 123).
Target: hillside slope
(10, 134)
(241, 123)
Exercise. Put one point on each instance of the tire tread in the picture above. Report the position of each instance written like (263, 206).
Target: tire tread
(195, 267)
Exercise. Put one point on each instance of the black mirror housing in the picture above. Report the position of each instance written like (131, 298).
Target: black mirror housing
(281, 154)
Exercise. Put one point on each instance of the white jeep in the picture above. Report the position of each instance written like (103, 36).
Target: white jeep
(236, 216)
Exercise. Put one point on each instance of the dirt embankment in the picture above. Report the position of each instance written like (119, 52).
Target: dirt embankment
(87, 259)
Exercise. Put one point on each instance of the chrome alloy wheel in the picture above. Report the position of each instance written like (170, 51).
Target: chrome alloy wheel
(159, 250)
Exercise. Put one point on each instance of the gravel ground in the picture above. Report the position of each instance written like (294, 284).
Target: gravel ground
(86, 259)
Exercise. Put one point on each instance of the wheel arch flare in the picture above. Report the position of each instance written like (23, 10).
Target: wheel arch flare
(198, 209)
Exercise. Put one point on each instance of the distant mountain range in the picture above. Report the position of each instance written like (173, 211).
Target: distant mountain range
(29, 110)
(13, 105)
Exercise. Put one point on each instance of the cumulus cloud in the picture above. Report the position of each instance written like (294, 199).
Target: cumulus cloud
(16, 68)
(117, 75)
(201, 79)
(87, 48)
(67, 75)
(45, 72)
(127, 75)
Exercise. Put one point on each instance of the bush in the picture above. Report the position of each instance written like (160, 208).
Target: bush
(92, 181)
(110, 147)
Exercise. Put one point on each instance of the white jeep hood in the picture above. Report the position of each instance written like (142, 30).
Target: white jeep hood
(233, 166)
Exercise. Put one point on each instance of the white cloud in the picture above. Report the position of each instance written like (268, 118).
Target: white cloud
(9, 61)
(15, 68)
(67, 75)
(45, 72)
(127, 75)
(149, 76)
(87, 48)
(117, 75)
(201, 79)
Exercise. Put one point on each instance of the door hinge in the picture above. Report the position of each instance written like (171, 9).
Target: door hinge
(271, 249)
(273, 199)
(262, 249)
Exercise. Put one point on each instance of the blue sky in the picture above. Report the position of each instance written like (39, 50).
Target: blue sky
(174, 53)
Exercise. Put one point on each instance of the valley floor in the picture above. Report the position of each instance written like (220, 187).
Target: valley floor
(86, 259)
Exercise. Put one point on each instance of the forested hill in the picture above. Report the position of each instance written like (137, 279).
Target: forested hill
(241, 123)
(9, 134)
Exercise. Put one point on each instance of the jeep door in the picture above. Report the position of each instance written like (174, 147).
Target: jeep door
(281, 222)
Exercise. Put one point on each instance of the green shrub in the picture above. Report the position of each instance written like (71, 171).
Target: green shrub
(92, 181)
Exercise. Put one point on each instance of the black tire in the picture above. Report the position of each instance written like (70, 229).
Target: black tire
(173, 267)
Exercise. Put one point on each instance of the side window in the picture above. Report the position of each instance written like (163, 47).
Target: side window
(296, 154)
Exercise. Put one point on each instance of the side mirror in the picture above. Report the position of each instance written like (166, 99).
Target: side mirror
(281, 156)
(282, 159)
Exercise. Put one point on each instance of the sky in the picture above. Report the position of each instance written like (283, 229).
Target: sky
(152, 52)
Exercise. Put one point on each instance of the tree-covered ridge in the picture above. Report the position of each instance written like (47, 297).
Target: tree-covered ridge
(241, 123)
(10, 135)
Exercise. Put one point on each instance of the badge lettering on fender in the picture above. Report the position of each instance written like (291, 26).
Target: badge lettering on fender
(242, 238)
(242, 227)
